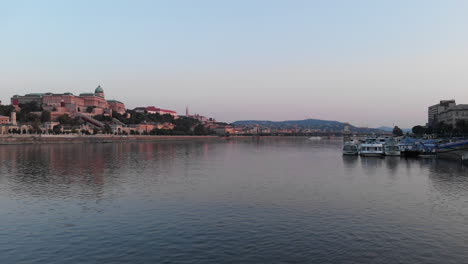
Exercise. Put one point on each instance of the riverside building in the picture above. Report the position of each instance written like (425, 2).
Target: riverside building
(8, 123)
(155, 110)
(453, 114)
(434, 111)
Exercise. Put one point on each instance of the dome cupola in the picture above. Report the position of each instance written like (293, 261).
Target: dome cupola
(99, 91)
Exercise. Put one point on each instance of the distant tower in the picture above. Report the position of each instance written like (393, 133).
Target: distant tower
(187, 111)
(13, 118)
(99, 91)
(346, 129)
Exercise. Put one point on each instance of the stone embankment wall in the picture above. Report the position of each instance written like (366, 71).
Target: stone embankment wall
(61, 139)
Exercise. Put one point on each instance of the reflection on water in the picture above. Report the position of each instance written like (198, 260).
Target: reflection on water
(256, 200)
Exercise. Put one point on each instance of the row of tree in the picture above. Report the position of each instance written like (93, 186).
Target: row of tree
(444, 130)
(26, 115)
(441, 129)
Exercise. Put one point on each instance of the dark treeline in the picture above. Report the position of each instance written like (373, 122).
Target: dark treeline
(442, 129)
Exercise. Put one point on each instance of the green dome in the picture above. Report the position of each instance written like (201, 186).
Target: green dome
(99, 89)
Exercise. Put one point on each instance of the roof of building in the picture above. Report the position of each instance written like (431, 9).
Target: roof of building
(57, 94)
(155, 109)
(152, 108)
(87, 94)
(35, 94)
(457, 107)
(99, 89)
(114, 101)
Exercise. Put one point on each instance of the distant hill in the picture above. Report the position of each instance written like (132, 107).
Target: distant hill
(385, 128)
(324, 125)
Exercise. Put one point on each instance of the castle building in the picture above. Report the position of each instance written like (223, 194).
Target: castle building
(28, 98)
(117, 106)
(68, 103)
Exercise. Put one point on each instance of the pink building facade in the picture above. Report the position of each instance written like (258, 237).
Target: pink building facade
(67, 103)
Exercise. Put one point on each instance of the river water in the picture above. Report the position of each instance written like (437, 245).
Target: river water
(233, 201)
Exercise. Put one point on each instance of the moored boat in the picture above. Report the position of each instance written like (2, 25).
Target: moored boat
(371, 150)
(392, 148)
(350, 148)
(457, 150)
(427, 147)
(408, 147)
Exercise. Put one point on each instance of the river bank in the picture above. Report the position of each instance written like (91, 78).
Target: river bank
(75, 139)
(78, 139)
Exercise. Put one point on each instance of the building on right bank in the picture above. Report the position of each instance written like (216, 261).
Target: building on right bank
(448, 112)
(454, 114)
(434, 111)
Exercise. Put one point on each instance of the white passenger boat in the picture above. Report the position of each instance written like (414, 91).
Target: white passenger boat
(371, 150)
(350, 148)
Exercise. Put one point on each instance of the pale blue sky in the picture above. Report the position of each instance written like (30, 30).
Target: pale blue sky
(369, 63)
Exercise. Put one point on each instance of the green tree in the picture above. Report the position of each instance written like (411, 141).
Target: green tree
(5, 110)
(45, 116)
(462, 126)
(57, 129)
(201, 130)
(429, 130)
(36, 129)
(118, 116)
(103, 118)
(30, 107)
(183, 125)
(418, 130)
(65, 119)
(107, 129)
(27, 117)
(397, 131)
(443, 129)
(68, 121)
